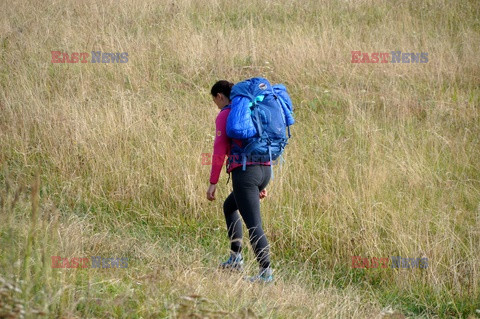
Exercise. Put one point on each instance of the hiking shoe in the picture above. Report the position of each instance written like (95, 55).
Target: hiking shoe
(264, 275)
(235, 262)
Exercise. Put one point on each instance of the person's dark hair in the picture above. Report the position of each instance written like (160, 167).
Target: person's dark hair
(223, 87)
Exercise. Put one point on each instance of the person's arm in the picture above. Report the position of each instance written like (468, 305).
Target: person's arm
(221, 148)
(263, 193)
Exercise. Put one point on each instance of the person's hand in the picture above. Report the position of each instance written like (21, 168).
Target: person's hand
(211, 192)
(263, 193)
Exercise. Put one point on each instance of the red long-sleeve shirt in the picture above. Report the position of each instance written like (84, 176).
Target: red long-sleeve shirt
(221, 147)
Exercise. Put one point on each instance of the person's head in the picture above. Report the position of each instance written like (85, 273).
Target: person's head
(221, 93)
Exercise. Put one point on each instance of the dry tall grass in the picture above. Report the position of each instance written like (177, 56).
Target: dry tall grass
(384, 159)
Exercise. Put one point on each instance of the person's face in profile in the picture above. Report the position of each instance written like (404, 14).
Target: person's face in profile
(220, 100)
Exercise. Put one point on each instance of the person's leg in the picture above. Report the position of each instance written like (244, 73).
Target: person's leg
(246, 188)
(234, 223)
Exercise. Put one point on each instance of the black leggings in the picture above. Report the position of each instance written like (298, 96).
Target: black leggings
(247, 185)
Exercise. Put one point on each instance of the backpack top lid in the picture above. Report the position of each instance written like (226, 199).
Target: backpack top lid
(251, 88)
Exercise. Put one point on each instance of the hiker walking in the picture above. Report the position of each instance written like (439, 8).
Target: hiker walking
(251, 130)
(248, 187)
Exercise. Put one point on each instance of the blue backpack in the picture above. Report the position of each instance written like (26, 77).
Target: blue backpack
(260, 115)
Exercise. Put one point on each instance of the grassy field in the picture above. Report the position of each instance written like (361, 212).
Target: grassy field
(104, 159)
